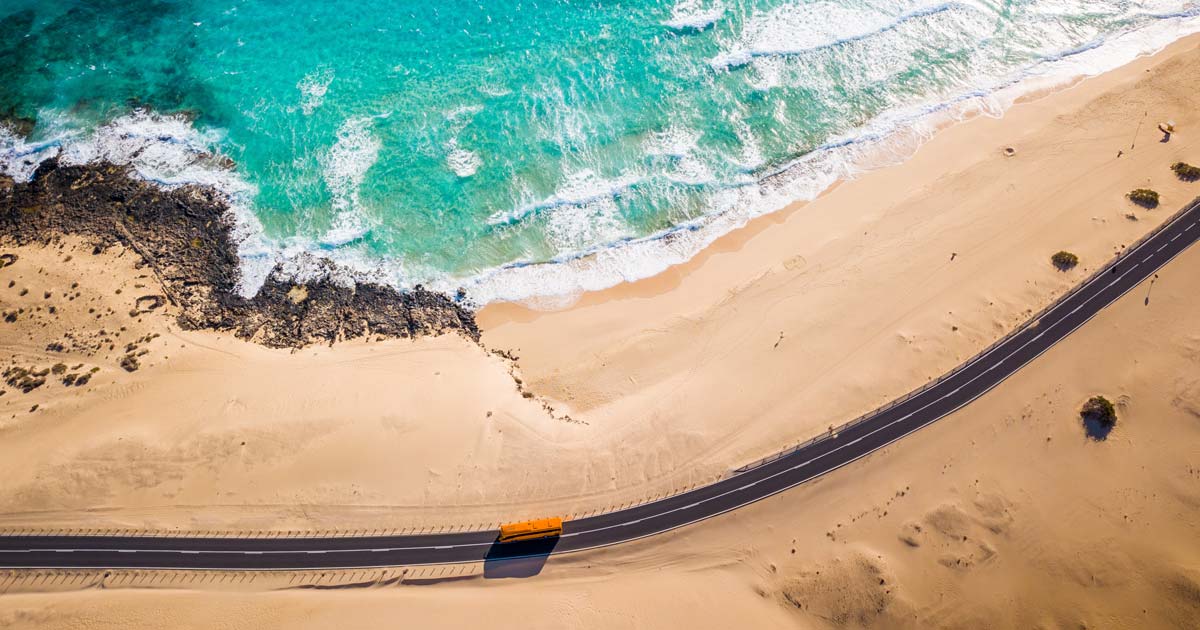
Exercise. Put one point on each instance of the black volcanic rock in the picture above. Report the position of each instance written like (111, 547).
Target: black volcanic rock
(184, 236)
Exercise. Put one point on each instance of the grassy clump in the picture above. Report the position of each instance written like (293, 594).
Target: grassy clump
(1144, 197)
(1186, 172)
(1064, 260)
(25, 379)
(129, 363)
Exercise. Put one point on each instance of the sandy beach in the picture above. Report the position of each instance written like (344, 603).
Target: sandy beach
(1003, 515)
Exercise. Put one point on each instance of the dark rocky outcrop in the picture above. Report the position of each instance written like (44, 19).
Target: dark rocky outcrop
(184, 237)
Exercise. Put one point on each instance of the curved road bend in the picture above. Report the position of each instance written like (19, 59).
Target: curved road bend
(884, 427)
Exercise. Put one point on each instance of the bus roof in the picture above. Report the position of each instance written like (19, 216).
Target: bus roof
(535, 525)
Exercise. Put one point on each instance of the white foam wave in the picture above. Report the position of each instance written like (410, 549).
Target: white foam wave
(579, 189)
(794, 29)
(752, 155)
(464, 163)
(313, 88)
(344, 168)
(573, 227)
(347, 162)
(694, 15)
(680, 147)
(19, 158)
(166, 150)
(675, 141)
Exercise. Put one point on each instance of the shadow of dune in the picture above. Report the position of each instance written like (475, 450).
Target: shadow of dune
(518, 559)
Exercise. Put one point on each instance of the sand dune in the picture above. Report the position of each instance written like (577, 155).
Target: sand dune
(1004, 515)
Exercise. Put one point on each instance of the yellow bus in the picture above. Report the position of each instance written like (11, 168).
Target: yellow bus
(531, 530)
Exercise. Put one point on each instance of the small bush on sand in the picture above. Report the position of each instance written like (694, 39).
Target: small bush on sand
(1064, 260)
(1186, 172)
(1099, 417)
(130, 363)
(1144, 197)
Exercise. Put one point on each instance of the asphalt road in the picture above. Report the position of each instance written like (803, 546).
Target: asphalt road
(852, 442)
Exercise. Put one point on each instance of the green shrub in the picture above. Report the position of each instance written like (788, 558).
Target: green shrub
(1064, 260)
(1186, 172)
(1144, 197)
(1100, 413)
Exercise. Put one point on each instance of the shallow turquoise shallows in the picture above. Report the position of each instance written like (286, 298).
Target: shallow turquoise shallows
(446, 139)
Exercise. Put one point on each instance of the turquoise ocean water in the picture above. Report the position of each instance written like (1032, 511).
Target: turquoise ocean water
(518, 147)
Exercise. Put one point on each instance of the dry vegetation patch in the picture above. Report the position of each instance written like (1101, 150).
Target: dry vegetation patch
(1143, 197)
(1185, 171)
(1064, 260)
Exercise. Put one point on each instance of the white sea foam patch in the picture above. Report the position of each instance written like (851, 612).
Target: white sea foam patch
(345, 167)
(556, 120)
(680, 148)
(674, 141)
(19, 158)
(752, 155)
(694, 14)
(463, 162)
(570, 228)
(313, 88)
(163, 149)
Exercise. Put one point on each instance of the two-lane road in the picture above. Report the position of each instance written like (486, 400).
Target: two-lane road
(852, 442)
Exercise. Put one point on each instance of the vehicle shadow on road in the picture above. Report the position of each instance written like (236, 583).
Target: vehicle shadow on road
(518, 559)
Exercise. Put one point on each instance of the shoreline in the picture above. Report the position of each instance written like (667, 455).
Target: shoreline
(886, 140)
(185, 235)
(640, 343)
(737, 239)
(815, 317)
(909, 127)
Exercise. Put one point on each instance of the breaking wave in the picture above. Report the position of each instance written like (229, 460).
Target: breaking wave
(582, 216)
